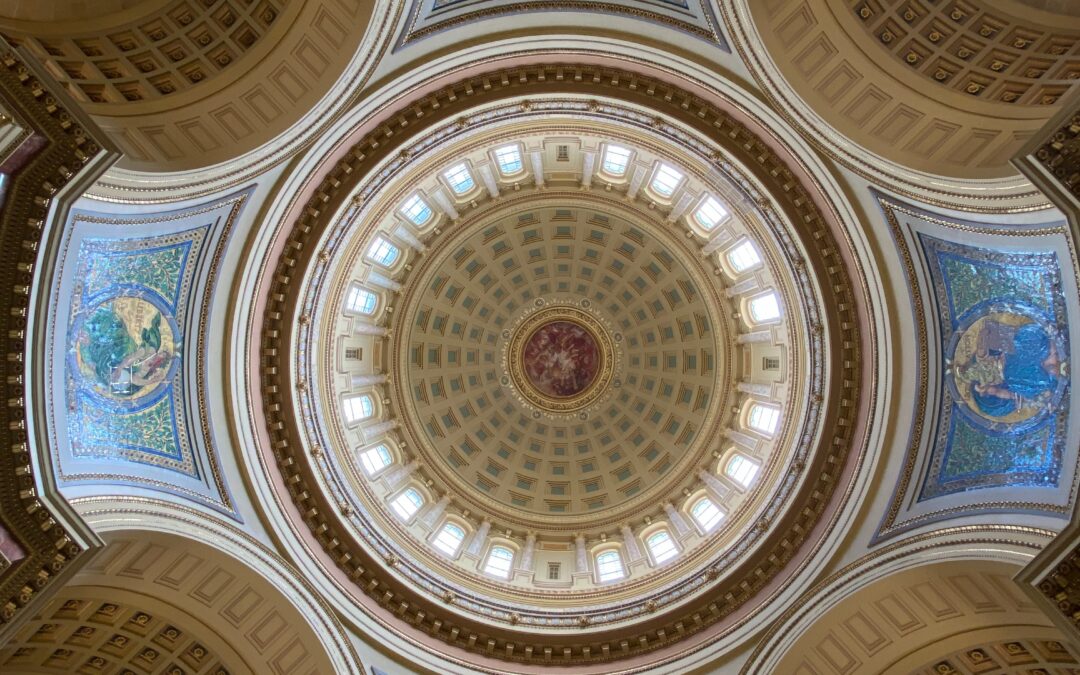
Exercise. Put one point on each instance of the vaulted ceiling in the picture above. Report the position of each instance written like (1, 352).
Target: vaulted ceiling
(509, 336)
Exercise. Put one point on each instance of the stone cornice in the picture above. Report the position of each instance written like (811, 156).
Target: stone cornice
(68, 159)
(1051, 160)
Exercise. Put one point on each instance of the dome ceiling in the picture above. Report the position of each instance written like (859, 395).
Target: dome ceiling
(458, 399)
(575, 348)
(455, 462)
(477, 373)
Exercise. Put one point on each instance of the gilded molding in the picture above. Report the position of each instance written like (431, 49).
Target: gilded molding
(514, 360)
(1060, 154)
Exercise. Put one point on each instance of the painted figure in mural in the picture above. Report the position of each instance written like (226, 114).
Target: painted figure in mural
(1008, 367)
(561, 358)
(125, 348)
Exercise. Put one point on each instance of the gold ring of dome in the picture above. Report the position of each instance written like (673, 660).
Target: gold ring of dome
(560, 358)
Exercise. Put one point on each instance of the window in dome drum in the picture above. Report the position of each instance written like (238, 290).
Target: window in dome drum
(553, 570)
(354, 354)
(562, 153)
(770, 363)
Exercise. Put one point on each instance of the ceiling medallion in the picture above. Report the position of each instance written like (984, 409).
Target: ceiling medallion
(560, 358)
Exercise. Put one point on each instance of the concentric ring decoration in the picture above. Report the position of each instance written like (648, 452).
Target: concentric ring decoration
(532, 341)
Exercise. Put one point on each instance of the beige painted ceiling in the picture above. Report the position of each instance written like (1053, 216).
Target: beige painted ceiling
(673, 366)
(67, 10)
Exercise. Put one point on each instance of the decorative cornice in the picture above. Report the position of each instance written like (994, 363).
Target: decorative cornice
(1052, 161)
(1061, 154)
(38, 196)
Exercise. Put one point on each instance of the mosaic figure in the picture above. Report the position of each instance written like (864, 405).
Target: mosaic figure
(124, 350)
(1007, 367)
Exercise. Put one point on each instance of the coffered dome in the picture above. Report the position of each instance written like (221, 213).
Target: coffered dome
(502, 311)
(559, 365)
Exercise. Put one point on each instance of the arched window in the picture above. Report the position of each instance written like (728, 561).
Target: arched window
(375, 459)
(508, 158)
(449, 539)
(705, 514)
(744, 256)
(609, 566)
(710, 213)
(358, 408)
(383, 252)
(361, 300)
(499, 561)
(661, 546)
(765, 308)
(742, 470)
(461, 181)
(407, 503)
(763, 418)
(416, 210)
(616, 159)
(665, 180)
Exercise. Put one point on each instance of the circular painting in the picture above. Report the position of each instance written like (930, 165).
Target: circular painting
(125, 349)
(1008, 367)
(561, 359)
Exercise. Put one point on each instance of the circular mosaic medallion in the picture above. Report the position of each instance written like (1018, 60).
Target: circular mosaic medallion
(124, 350)
(560, 359)
(1008, 367)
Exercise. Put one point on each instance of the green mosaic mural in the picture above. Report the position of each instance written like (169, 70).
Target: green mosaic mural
(124, 381)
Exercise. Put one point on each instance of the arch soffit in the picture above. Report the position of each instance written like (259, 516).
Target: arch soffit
(177, 554)
(890, 160)
(270, 109)
(972, 567)
(102, 627)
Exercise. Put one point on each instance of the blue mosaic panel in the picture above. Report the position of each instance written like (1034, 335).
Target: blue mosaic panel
(695, 17)
(125, 345)
(1005, 347)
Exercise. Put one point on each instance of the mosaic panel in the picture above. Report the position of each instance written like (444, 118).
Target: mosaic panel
(990, 391)
(695, 17)
(1005, 340)
(123, 381)
(128, 357)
